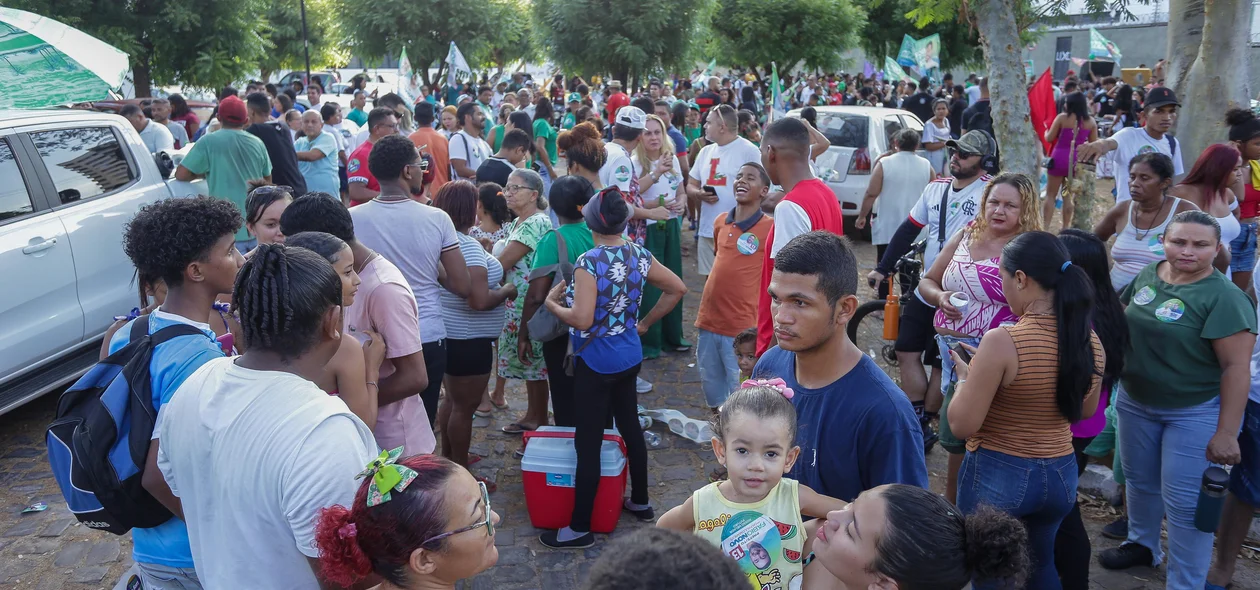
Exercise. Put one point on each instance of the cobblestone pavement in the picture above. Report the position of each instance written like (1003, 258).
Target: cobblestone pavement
(49, 550)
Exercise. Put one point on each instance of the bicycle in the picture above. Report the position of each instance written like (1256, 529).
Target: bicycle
(866, 329)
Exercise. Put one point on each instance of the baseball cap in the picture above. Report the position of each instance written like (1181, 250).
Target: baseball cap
(1159, 97)
(575, 97)
(972, 142)
(232, 110)
(632, 117)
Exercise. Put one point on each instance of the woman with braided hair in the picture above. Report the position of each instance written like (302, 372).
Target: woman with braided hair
(253, 438)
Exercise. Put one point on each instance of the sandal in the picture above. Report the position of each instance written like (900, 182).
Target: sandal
(517, 428)
(481, 413)
(502, 406)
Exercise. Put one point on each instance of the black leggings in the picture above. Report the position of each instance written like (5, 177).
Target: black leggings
(561, 384)
(435, 367)
(1071, 544)
(596, 396)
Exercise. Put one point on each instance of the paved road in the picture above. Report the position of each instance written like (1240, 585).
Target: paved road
(48, 550)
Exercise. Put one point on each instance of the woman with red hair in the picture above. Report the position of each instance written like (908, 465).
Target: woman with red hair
(1208, 187)
(416, 522)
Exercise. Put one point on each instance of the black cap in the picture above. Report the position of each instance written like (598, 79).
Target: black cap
(1160, 96)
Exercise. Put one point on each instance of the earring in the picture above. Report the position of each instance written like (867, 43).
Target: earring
(336, 334)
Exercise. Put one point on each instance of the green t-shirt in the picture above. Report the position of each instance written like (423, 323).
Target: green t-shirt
(544, 130)
(1171, 363)
(499, 131)
(577, 240)
(358, 116)
(692, 134)
(229, 158)
(568, 122)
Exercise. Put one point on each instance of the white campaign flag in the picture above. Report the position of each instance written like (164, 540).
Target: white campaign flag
(457, 62)
(405, 85)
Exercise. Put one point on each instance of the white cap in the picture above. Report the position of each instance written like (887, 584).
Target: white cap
(632, 117)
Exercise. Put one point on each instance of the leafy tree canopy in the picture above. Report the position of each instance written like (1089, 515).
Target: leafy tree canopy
(811, 33)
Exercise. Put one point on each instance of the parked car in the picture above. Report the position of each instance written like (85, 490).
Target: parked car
(72, 179)
(858, 135)
(326, 79)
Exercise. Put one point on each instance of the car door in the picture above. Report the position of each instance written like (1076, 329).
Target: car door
(39, 311)
(98, 189)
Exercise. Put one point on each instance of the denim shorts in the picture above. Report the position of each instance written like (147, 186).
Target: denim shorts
(1242, 250)
(1244, 478)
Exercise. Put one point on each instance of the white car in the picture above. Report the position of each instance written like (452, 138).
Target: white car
(858, 135)
(69, 181)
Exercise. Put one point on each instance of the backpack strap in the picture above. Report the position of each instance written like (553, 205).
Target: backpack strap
(139, 328)
(1172, 144)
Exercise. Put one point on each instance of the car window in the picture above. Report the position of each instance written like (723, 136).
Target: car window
(84, 162)
(891, 126)
(912, 123)
(844, 129)
(14, 200)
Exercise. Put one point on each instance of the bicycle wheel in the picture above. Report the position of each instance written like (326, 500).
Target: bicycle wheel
(866, 330)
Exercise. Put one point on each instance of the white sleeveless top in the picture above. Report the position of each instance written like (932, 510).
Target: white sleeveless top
(905, 176)
(1134, 249)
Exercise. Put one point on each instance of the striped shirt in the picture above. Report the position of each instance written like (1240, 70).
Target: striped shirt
(1024, 419)
(462, 322)
(1134, 249)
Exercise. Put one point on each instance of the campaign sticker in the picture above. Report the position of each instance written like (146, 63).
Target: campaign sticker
(1156, 244)
(352, 166)
(747, 244)
(1171, 310)
(1144, 295)
(622, 173)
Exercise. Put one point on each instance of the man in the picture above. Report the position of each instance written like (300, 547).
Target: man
(973, 89)
(957, 104)
(418, 239)
(616, 100)
(357, 114)
(392, 101)
(1161, 111)
(808, 205)
(654, 90)
(712, 177)
(432, 143)
(229, 159)
(920, 103)
(161, 109)
(662, 110)
(1106, 97)
(275, 137)
(518, 82)
(896, 183)
(513, 151)
(315, 95)
(386, 305)
(809, 90)
(978, 115)
(467, 149)
(330, 112)
(500, 90)
(955, 201)
(856, 431)
(363, 186)
(484, 96)
(156, 137)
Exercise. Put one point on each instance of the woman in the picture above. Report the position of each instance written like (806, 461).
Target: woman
(662, 186)
(282, 104)
(1208, 186)
(500, 128)
(728, 97)
(1244, 134)
(748, 101)
(968, 269)
(450, 123)
(568, 196)
(263, 208)
(354, 371)
(1071, 128)
(472, 325)
(317, 155)
(748, 127)
(1128, 108)
(1178, 417)
(182, 114)
(1033, 379)
(438, 529)
(936, 131)
(519, 357)
(1072, 552)
(916, 539)
(492, 215)
(545, 141)
(607, 355)
(1139, 224)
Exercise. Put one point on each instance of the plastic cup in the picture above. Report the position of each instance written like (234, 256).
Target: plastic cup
(960, 301)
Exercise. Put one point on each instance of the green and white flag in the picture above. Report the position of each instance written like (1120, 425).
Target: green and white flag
(777, 108)
(1101, 48)
(47, 63)
(893, 71)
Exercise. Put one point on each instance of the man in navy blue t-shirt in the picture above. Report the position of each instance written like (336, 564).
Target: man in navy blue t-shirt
(856, 428)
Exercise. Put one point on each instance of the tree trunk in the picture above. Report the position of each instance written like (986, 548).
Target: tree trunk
(1214, 84)
(264, 74)
(1185, 34)
(1008, 86)
(142, 78)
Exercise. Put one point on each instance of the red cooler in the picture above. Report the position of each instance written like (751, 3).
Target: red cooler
(549, 468)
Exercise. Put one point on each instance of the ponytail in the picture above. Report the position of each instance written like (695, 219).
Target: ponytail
(282, 293)
(341, 561)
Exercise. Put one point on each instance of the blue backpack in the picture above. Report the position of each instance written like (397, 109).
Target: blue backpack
(99, 441)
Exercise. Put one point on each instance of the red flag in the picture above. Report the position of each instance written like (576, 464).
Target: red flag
(1041, 106)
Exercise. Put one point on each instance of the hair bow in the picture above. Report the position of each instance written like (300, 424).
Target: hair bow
(777, 384)
(387, 475)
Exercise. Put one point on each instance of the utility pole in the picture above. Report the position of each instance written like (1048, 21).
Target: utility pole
(306, 43)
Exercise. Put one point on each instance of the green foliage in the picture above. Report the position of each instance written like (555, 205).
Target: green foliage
(812, 33)
(515, 38)
(283, 33)
(887, 22)
(424, 27)
(620, 37)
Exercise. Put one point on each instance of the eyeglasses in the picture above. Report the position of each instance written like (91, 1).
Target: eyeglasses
(488, 522)
(515, 187)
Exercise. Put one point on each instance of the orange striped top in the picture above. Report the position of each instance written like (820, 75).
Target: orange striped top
(1024, 420)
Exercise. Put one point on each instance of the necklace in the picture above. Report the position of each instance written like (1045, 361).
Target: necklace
(358, 267)
(1142, 236)
(390, 198)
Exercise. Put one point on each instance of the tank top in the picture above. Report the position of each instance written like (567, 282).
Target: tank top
(982, 282)
(1230, 227)
(765, 538)
(1250, 206)
(1024, 418)
(1134, 249)
(905, 176)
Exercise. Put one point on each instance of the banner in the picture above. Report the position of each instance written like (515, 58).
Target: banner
(1101, 48)
(1028, 69)
(905, 56)
(698, 82)
(406, 80)
(777, 108)
(868, 70)
(457, 62)
(1062, 57)
(893, 71)
(927, 53)
(1041, 107)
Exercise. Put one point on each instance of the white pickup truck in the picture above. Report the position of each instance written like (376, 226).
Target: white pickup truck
(69, 181)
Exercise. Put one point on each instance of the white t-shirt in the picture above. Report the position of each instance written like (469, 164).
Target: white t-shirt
(619, 167)
(932, 133)
(963, 206)
(1132, 142)
(157, 137)
(179, 133)
(349, 132)
(466, 147)
(973, 94)
(341, 139)
(666, 186)
(716, 166)
(413, 237)
(254, 456)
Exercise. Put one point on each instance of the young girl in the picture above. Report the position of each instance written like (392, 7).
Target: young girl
(263, 209)
(746, 353)
(755, 515)
(492, 214)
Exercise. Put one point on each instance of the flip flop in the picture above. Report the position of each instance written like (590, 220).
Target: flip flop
(481, 414)
(502, 406)
(515, 428)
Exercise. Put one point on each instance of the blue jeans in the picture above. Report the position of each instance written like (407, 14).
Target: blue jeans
(1242, 250)
(1164, 451)
(1039, 492)
(719, 369)
(1244, 478)
(948, 441)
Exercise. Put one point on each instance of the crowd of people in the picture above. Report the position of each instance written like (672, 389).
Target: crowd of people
(363, 284)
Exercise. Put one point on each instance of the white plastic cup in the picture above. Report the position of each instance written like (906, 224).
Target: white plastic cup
(960, 301)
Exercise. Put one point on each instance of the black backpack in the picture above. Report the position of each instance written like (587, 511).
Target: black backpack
(99, 441)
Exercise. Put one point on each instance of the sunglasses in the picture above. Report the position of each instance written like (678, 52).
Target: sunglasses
(963, 155)
(488, 522)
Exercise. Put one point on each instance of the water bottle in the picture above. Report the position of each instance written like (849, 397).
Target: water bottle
(653, 440)
(1207, 513)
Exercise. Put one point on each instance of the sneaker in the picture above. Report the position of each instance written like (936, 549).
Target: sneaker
(930, 438)
(1118, 530)
(1126, 556)
(645, 515)
(549, 539)
(641, 385)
